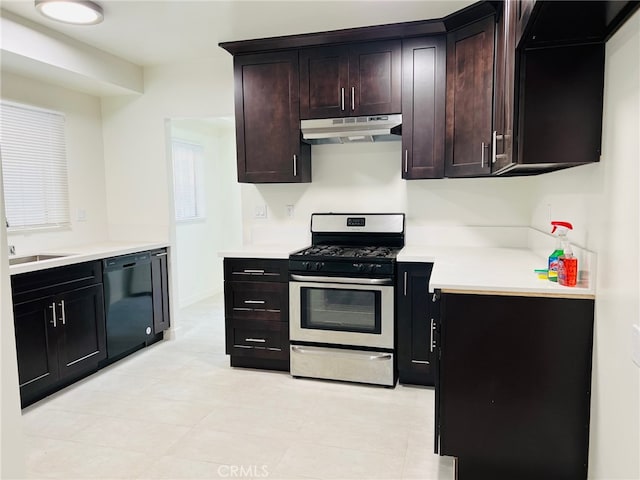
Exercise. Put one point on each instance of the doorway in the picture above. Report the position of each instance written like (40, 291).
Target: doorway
(206, 209)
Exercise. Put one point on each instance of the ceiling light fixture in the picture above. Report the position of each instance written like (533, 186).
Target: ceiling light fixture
(77, 12)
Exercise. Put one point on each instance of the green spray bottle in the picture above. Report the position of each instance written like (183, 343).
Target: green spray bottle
(560, 229)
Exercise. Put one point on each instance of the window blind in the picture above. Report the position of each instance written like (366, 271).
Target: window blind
(188, 188)
(34, 166)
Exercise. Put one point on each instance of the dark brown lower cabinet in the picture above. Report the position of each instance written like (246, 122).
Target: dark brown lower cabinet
(256, 304)
(59, 338)
(416, 328)
(514, 386)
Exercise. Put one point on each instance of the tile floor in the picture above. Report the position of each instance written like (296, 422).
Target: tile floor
(177, 410)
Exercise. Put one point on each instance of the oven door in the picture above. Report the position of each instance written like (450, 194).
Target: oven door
(342, 311)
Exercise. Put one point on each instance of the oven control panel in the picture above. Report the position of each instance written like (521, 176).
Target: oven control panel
(342, 267)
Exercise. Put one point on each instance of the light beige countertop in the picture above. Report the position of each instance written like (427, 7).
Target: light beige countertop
(481, 270)
(79, 254)
(485, 270)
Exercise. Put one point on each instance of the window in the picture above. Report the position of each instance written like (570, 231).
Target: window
(187, 180)
(34, 166)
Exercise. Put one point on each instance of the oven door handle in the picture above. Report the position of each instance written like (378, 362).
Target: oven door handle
(360, 281)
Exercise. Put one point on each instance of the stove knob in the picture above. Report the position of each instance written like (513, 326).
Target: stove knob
(370, 268)
(319, 265)
(306, 265)
(361, 267)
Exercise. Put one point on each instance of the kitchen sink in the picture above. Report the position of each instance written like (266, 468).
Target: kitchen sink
(32, 258)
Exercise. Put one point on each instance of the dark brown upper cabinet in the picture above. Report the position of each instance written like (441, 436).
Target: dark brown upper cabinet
(549, 97)
(504, 88)
(350, 80)
(269, 145)
(469, 102)
(560, 100)
(423, 107)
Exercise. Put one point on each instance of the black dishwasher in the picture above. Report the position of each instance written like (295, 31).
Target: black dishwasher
(128, 304)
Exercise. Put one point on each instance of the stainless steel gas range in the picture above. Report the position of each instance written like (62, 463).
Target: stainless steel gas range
(342, 292)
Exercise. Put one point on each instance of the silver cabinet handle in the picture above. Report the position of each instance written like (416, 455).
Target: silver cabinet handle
(255, 340)
(55, 318)
(406, 160)
(62, 309)
(405, 284)
(494, 142)
(256, 302)
(353, 98)
(342, 99)
(163, 254)
(295, 165)
(420, 362)
(434, 298)
(483, 147)
(433, 327)
(258, 272)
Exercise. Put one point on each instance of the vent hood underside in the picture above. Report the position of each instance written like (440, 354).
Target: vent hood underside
(375, 128)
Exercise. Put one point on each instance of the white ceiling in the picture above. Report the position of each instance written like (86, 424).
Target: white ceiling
(152, 32)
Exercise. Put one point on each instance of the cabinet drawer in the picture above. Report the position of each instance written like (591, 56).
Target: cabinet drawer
(248, 339)
(257, 300)
(255, 270)
(32, 285)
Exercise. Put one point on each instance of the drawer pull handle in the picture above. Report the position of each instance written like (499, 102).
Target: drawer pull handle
(254, 272)
(255, 340)
(255, 302)
(420, 362)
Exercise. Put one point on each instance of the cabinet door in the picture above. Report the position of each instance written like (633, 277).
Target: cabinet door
(504, 98)
(36, 347)
(81, 330)
(375, 78)
(423, 107)
(416, 353)
(515, 381)
(324, 76)
(469, 99)
(160, 291)
(268, 120)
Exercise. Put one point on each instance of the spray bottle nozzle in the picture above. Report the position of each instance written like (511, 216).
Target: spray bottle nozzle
(566, 225)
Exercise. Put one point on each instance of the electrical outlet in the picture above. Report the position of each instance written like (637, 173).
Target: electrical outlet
(81, 215)
(260, 211)
(290, 210)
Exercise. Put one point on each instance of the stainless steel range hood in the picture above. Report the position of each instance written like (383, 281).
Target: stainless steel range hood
(374, 128)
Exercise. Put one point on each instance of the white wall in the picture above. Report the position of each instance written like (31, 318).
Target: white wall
(136, 157)
(85, 162)
(603, 201)
(198, 267)
(367, 178)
